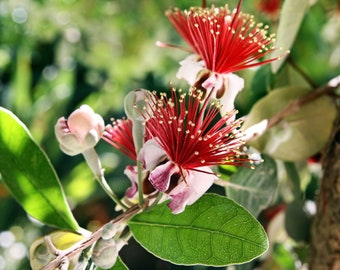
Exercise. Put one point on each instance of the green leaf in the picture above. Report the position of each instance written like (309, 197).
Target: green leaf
(299, 135)
(262, 81)
(254, 189)
(291, 17)
(30, 176)
(213, 231)
(119, 265)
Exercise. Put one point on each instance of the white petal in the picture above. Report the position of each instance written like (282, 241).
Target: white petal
(233, 85)
(255, 130)
(190, 68)
(151, 154)
(215, 81)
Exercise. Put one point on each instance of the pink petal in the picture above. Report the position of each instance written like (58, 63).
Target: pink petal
(131, 173)
(188, 192)
(160, 177)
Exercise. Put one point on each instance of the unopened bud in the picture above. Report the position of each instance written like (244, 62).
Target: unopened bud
(45, 249)
(135, 102)
(105, 252)
(110, 230)
(80, 132)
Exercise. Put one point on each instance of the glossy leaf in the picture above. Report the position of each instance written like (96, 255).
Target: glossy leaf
(213, 231)
(30, 176)
(254, 189)
(291, 17)
(301, 134)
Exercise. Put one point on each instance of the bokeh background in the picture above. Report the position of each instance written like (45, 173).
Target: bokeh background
(56, 55)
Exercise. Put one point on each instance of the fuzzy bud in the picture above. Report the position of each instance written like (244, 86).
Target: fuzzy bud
(105, 252)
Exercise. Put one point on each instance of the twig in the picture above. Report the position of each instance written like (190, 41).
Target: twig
(71, 252)
(292, 62)
(295, 105)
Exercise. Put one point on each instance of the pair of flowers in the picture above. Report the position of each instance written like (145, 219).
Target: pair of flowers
(185, 133)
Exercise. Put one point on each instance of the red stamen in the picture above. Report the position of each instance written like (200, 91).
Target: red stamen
(119, 135)
(226, 41)
(189, 131)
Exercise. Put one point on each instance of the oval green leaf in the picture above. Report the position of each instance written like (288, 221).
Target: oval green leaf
(29, 175)
(301, 134)
(213, 231)
(254, 189)
(291, 17)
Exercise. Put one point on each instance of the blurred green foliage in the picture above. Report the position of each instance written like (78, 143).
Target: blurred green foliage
(56, 55)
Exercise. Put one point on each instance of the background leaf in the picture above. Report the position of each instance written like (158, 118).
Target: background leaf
(299, 135)
(30, 176)
(213, 231)
(254, 189)
(291, 17)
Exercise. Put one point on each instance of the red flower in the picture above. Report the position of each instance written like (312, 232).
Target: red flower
(185, 136)
(226, 41)
(270, 7)
(191, 133)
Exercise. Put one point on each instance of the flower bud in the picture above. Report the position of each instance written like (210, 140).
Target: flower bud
(44, 249)
(105, 252)
(80, 132)
(110, 230)
(134, 102)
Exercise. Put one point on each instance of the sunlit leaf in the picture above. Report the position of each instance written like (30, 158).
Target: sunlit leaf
(301, 134)
(291, 17)
(213, 231)
(30, 176)
(254, 189)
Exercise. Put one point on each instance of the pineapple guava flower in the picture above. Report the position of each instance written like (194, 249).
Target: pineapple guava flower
(80, 132)
(223, 42)
(185, 137)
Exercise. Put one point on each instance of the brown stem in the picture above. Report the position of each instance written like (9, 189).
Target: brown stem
(325, 232)
(292, 62)
(88, 241)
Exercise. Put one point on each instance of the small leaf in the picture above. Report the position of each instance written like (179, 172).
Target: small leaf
(291, 17)
(30, 176)
(254, 189)
(299, 135)
(119, 265)
(262, 82)
(213, 231)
